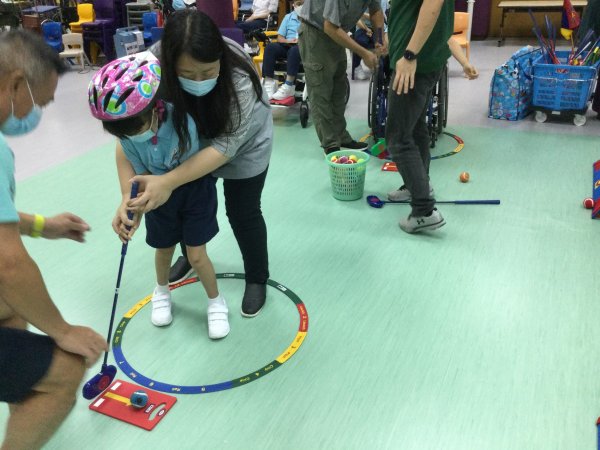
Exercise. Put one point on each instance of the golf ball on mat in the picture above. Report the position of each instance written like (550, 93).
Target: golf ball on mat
(464, 177)
(139, 399)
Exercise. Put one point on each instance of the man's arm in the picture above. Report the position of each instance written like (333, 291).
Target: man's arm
(23, 290)
(340, 37)
(22, 287)
(405, 70)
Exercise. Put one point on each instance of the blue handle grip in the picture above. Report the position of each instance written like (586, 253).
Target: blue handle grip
(134, 192)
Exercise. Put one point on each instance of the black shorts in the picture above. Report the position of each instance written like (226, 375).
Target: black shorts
(25, 358)
(189, 216)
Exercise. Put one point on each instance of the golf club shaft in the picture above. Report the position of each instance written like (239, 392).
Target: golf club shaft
(134, 192)
(453, 202)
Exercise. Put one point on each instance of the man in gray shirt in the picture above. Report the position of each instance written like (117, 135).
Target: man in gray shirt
(323, 38)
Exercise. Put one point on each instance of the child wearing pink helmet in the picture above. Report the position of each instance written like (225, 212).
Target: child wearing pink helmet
(123, 96)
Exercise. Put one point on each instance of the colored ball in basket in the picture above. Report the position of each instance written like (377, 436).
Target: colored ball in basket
(588, 203)
(139, 399)
(334, 159)
(464, 177)
(342, 159)
(353, 158)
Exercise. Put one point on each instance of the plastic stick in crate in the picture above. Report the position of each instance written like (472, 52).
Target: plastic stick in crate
(596, 191)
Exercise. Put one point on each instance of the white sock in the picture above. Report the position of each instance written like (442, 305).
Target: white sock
(219, 299)
(162, 289)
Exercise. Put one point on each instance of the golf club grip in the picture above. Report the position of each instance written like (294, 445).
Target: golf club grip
(134, 192)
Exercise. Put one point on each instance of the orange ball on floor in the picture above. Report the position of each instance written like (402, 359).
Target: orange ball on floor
(464, 177)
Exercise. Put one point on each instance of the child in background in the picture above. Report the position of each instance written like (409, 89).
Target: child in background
(123, 95)
(285, 47)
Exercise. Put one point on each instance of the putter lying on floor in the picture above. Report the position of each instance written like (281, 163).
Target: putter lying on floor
(102, 380)
(376, 202)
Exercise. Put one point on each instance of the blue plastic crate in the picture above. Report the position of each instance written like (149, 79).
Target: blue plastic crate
(561, 87)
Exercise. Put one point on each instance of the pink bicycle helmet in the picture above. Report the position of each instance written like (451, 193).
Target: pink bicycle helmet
(124, 87)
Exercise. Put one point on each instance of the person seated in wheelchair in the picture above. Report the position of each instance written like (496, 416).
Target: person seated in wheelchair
(363, 35)
(286, 47)
(258, 20)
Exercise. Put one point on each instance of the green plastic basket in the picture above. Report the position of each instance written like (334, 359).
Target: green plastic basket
(348, 180)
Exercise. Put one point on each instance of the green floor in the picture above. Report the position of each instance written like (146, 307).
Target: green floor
(484, 335)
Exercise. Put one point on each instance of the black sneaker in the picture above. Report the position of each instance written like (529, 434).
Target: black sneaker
(254, 299)
(355, 145)
(329, 150)
(180, 270)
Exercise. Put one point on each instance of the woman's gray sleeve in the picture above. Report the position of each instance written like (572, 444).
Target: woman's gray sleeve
(229, 144)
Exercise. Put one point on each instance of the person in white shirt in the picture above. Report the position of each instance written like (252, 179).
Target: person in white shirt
(261, 9)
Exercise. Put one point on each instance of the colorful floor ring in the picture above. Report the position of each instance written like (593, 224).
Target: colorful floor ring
(205, 389)
(460, 145)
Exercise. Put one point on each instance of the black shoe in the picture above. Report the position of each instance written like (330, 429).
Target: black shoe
(331, 150)
(180, 270)
(254, 299)
(355, 145)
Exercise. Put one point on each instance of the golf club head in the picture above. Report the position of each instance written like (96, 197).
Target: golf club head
(99, 382)
(374, 201)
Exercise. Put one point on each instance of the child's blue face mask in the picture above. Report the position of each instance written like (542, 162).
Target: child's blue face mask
(13, 126)
(198, 88)
(144, 136)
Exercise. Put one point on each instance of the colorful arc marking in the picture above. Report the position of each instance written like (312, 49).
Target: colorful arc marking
(205, 389)
(460, 144)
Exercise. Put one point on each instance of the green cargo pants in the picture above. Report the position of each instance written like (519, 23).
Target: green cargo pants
(324, 64)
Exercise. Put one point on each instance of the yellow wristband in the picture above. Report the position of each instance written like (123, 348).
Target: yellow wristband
(38, 225)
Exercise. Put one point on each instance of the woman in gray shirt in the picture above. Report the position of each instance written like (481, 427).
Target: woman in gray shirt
(211, 78)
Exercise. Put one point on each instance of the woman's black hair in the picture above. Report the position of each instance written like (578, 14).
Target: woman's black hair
(195, 34)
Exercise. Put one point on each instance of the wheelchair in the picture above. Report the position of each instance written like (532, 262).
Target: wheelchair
(437, 111)
(301, 90)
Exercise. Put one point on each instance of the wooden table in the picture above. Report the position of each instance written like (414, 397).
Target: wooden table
(523, 6)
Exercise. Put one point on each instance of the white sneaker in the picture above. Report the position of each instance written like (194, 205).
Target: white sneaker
(270, 86)
(360, 74)
(218, 320)
(402, 194)
(414, 224)
(161, 308)
(284, 91)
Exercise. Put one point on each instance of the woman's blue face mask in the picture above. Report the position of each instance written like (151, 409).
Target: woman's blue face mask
(13, 126)
(198, 88)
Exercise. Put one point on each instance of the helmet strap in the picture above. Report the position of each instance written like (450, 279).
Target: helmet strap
(159, 109)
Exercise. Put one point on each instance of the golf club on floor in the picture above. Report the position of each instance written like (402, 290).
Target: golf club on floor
(96, 385)
(376, 202)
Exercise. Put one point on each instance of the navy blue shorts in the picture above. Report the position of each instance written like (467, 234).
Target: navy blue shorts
(25, 358)
(189, 216)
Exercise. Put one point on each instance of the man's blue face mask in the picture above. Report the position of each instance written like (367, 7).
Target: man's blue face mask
(14, 126)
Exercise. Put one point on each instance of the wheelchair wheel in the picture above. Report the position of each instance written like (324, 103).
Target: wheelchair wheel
(432, 120)
(442, 102)
(347, 90)
(304, 114)
(372, 96)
